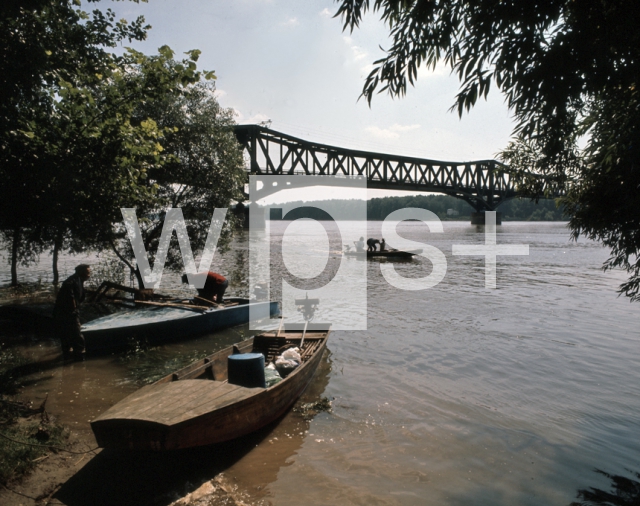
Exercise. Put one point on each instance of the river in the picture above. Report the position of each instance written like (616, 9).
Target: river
(453, 395)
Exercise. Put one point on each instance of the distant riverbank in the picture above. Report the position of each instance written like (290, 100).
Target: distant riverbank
(447, 208)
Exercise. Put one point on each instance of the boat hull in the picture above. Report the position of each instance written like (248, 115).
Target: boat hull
(131, 425)
(155, 325)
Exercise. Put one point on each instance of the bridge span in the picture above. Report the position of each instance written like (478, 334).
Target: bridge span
(484, 184)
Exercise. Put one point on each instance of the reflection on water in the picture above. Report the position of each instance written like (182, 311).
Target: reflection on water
(624, 492)
(453, 395)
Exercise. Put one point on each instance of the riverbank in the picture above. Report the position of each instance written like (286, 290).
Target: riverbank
(80, 478)
(454, 395)
(69, 469)
(53, 482)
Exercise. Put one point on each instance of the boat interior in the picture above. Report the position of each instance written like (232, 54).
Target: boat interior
(269, 344)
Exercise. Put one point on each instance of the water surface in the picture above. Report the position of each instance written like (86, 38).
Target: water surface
(453, 395)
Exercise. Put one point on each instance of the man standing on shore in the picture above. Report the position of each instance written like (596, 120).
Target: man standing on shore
(66, 315)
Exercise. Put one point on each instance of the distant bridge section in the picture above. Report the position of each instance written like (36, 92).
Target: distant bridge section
(484, 184)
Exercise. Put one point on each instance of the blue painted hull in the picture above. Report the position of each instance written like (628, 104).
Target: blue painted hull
(158, 324)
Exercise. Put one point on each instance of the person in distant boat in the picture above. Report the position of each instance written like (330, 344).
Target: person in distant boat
(371, 244)
(66, 315)
(360, 245)
(383, 245)
(214, 286)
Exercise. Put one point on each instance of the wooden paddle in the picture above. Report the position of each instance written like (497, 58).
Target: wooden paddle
(215, 304)
(207, 302)
(177, 306)
(304, 331)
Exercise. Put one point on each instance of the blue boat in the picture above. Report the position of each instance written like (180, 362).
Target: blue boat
(155, 324)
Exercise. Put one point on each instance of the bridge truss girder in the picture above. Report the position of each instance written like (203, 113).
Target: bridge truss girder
(484, 184)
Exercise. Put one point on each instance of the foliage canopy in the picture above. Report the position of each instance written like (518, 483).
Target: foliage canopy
(203, 169)
(85, 132)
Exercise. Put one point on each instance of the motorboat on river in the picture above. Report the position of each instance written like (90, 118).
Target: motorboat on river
(389, 253)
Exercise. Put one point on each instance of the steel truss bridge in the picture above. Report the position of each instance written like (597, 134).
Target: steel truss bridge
(484, 184)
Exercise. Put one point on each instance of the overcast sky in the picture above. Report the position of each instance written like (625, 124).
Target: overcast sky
(289, 61)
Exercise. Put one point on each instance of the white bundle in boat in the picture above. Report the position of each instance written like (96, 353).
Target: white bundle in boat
(288, 361)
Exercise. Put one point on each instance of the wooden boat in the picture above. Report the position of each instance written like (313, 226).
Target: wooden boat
(163, 322)
(197, 405)
(393, 253)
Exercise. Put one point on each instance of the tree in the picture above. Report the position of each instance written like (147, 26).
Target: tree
(99, 152)
(79, 140)
(43, 44)
(569, 73)
(203, 170)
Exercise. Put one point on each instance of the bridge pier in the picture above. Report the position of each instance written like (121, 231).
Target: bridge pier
(478, 218)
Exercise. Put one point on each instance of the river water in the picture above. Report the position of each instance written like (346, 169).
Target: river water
(457, 394)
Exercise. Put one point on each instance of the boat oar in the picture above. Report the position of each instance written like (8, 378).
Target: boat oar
(201, 309)
(207, 302)
(304, 331)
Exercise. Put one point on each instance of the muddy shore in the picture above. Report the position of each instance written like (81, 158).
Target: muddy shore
(83, 474)
(99, 478)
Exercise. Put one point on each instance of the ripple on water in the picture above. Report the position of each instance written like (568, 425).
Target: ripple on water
(453, 395)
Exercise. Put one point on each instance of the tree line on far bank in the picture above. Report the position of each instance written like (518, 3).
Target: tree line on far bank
(444, 206)
(85, 132)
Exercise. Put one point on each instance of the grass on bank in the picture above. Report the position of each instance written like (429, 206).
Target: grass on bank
(16, 458)
(20, 423)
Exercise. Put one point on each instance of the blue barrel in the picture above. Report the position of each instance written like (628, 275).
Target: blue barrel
(246, 370)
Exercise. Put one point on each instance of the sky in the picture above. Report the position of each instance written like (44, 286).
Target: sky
(290, 62)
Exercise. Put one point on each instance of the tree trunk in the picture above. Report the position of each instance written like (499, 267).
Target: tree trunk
(139, 278)
(14, 256)
(133, 270)
(56, 250)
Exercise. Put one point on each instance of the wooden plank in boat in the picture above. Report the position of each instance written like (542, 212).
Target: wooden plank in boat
(156, 396)
(187, 396)
(195, 371)
(146, 396)
(181, 400)
(190, 402)
(207, 404)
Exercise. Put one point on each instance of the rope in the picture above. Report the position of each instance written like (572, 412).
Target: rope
(48, 446)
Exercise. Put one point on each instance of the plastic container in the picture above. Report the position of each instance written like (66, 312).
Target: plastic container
(246, 370)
